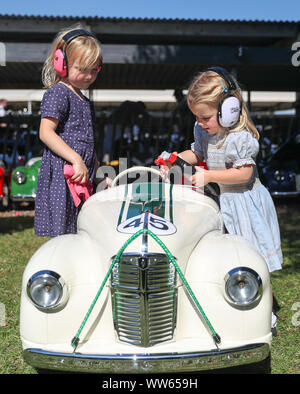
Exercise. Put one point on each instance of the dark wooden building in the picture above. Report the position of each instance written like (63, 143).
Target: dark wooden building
(159, 53)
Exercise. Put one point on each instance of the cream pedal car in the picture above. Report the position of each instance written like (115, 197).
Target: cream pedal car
(151, 283)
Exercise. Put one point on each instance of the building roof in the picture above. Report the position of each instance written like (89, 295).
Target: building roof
(68, 17)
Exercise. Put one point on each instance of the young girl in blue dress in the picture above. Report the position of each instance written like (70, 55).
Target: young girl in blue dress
(66, 129)
(227, 140)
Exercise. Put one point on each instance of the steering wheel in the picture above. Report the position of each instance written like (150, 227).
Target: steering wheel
(135, 169)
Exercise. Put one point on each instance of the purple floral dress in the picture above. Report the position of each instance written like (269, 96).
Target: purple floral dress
(55, 212)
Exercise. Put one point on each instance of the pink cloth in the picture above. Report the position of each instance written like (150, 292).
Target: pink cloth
(78, 190)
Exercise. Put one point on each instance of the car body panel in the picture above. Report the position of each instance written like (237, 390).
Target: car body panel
(204, 254)
(280, 172)
(5, 175)
(25, 191)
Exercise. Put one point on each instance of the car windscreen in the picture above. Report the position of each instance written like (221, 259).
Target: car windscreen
(288, 156)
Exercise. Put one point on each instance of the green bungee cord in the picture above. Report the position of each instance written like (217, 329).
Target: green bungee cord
(216, 337)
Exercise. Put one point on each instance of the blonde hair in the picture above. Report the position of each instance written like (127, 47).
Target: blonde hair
(85, 48)
(208, 88)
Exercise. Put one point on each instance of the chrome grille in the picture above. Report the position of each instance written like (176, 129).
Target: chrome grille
(144, 298)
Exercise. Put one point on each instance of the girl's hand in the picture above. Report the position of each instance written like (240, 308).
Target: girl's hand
(105, 184)
(164, 171)
(54, 142)
(169, 165)
(201, 177)
(81, 173)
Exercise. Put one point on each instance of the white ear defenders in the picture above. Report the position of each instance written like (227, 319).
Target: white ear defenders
(229, 109)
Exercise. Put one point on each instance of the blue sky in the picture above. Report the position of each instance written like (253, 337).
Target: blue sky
(272, 10)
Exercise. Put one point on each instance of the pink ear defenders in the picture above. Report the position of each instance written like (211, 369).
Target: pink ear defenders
(229, 110)
(60, 60)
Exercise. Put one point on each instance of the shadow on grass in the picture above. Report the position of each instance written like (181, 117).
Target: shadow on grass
(9, 225)
(288, 212)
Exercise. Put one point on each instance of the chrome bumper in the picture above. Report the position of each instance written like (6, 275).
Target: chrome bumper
(23, 197)
(155, 363)
(286, 194)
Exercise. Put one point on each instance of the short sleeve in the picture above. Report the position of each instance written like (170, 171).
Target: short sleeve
(242, 149)
(55, 103)
(197, 145)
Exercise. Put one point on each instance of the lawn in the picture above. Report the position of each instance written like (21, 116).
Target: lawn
(18, 243)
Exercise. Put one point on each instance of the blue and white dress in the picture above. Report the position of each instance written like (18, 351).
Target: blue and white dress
(248, 209)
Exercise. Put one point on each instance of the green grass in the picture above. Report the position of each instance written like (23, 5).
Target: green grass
(286, 287)
(18, 243)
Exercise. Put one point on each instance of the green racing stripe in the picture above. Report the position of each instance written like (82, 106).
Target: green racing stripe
(139, 197)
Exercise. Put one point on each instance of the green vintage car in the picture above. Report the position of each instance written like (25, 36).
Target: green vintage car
(24, 181)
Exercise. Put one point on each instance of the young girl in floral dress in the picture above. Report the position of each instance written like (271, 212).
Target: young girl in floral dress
(66, 129)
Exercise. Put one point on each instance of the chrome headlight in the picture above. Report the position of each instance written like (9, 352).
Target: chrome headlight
(243, 286)
(47, 290)
(19, 177)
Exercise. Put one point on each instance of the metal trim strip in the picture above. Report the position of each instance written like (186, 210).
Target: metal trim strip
(147, 363)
